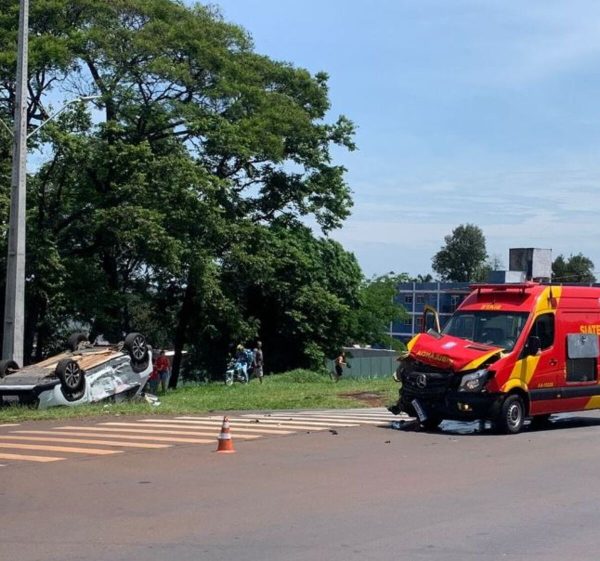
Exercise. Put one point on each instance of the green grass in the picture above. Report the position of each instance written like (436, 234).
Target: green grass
(298, 389)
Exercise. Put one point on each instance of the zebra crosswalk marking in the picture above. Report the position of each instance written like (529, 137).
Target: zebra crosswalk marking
(293, 421)
(188, 435)
(93, 432)
(53, 438)
(201, 425)
(26, 458)
(68, 449)
(250, 424)
(159, 432)
(357, 421)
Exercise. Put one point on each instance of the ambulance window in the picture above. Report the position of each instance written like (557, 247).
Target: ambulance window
(544, 329)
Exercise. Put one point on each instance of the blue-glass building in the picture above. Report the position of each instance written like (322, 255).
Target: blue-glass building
(445, 297)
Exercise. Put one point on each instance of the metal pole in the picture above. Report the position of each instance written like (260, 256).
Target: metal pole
(14, 304)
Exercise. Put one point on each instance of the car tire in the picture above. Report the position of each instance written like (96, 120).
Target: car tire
(7, 366)
(512, 415)
(74, 341)
(136, 347)
(71, 376)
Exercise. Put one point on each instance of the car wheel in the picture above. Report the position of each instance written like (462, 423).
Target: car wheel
(512, 415)
(74, 341)
(136, 347)
(71, 377)
(7, 367)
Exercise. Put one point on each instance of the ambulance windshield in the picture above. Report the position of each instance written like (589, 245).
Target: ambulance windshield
(499, 329)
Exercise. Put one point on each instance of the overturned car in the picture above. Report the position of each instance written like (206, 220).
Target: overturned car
(83, 373)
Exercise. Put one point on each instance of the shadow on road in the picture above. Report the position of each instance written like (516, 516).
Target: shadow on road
(479, 428)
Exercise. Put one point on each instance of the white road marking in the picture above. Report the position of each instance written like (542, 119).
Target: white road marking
(241, 424)
(93, 432)
(289, 420)
(53, 438)
(354, 420)
(198, 424)
(69, 449)
(25, 458)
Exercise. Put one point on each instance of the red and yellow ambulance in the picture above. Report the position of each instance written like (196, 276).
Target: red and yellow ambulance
(510, 351)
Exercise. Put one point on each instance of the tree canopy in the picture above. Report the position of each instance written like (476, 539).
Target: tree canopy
(463, 255)
(176, 206)
(575, 268)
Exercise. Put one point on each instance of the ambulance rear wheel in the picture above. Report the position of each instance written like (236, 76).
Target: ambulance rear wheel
(512, 415)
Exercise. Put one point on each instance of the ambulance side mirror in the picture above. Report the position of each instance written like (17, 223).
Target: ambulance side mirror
(534, 345)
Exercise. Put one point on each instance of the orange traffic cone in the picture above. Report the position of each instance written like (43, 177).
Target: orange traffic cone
(225, 442)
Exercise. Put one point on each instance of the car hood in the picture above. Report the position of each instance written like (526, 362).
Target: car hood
(445, 351)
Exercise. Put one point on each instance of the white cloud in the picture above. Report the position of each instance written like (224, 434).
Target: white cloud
(530, 208)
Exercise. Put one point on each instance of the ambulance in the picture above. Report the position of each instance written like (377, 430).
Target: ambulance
(509, 352)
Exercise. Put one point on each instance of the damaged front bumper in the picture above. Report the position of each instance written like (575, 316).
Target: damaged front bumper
(458, 406)
(436, 395)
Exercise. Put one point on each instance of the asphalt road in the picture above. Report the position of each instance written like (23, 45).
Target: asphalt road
(352, 493)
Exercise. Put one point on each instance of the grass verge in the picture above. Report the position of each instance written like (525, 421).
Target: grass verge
(298, 389)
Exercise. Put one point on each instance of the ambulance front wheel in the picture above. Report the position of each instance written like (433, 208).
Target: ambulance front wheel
(512, 415)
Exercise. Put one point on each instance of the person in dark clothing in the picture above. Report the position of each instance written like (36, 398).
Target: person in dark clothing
(339, 364)
(258, 362)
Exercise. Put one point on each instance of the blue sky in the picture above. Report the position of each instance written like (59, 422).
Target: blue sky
(486, 112)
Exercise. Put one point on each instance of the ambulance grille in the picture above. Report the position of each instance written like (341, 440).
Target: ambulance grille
(426, 384)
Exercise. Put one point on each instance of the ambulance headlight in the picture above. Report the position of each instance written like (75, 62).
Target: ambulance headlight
(475, 381)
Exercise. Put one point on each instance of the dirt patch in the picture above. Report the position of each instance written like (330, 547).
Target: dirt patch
(374, 399)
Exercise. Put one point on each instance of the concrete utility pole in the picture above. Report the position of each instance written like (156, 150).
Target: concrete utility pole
(14, 304)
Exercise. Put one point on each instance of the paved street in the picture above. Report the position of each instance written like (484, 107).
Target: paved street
(39, 443)
(327, 485)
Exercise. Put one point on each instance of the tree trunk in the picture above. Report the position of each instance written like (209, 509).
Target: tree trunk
(185, 314)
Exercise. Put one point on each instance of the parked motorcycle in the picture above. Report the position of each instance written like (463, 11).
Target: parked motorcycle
(235, 373)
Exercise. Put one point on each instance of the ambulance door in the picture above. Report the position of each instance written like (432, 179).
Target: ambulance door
(579, 380)
(431, 319)
(546, 368)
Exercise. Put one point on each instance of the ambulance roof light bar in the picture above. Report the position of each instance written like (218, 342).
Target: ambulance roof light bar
(520, 287)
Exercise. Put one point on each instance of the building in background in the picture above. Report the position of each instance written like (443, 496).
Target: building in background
(445, 297)
(525, 264)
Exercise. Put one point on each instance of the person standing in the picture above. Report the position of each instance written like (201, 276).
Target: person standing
(340, 362)
(258, 362)
(164, 370)
(154, 379)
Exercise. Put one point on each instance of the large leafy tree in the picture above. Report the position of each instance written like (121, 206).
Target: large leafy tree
(462, 256)
(197, 144)
(575, 268)
(378, 310)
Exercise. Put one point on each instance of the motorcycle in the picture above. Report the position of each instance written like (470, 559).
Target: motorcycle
(235, 373)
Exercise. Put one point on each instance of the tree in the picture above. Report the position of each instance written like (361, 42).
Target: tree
(463, 254)
(421, 278)
(295, 291)
(576, 268)
(378, 309)
(200, 144)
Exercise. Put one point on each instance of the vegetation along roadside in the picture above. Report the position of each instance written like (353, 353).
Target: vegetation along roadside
(297, 389)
